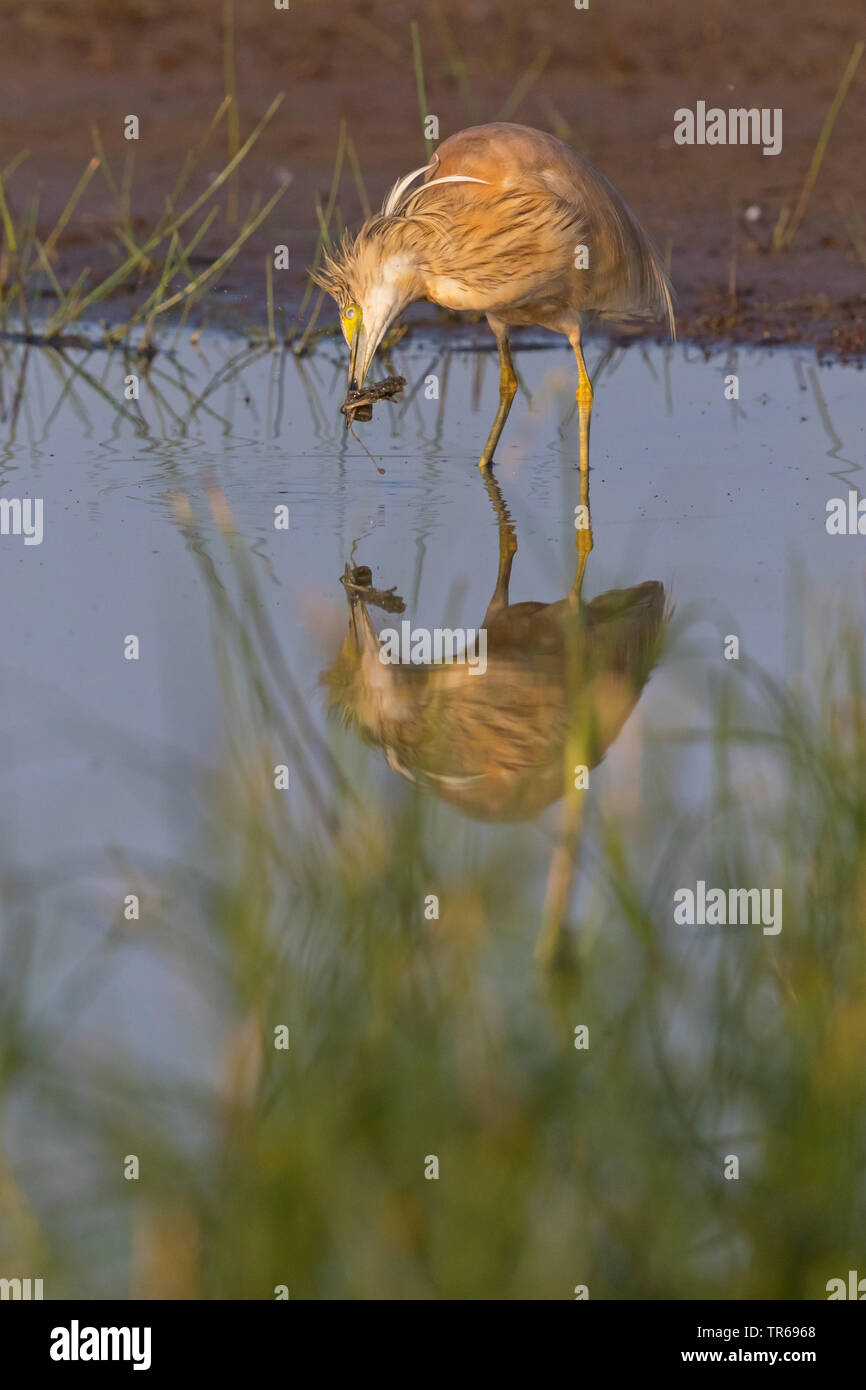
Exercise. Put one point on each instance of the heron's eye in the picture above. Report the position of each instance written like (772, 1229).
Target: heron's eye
(351, 321)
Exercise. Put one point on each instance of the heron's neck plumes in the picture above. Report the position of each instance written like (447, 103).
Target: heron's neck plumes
(394, 249)
(387, 257)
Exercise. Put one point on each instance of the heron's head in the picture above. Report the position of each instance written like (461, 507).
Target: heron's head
(379, 274)
(372, 279)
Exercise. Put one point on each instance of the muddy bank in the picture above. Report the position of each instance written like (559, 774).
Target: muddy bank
(607, 79)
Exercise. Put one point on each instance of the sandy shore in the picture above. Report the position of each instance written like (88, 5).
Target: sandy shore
(608, 79)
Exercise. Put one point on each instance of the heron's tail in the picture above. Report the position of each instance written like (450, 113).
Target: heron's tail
(657, 291)
(663, 294)
(654, 291)
(642, 288)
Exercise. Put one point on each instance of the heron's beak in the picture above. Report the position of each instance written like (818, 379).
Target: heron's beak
(354, 351)
(362, 633)
(362, 352)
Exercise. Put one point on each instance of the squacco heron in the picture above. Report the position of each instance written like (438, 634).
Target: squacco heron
(508, 222)
(561, 680)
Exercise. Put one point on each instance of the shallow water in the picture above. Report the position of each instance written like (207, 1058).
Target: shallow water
(720, 503)
(723, 502)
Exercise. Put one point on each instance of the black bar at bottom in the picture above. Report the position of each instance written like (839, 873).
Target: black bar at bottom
(140, 1339)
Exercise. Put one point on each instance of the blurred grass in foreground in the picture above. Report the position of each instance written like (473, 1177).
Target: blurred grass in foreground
(558, 1167)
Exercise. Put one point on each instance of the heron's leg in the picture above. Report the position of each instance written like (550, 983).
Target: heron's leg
(507, 388)
(507, 548)
(564, 862)
(584, 415)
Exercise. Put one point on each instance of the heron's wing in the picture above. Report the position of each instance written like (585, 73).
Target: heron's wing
(544, 226)
(494, 246)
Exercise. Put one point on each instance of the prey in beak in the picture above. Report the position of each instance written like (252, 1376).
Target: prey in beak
(358, 404)
(363, 342)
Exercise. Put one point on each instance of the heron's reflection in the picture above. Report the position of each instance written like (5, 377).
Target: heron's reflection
(560, 681)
